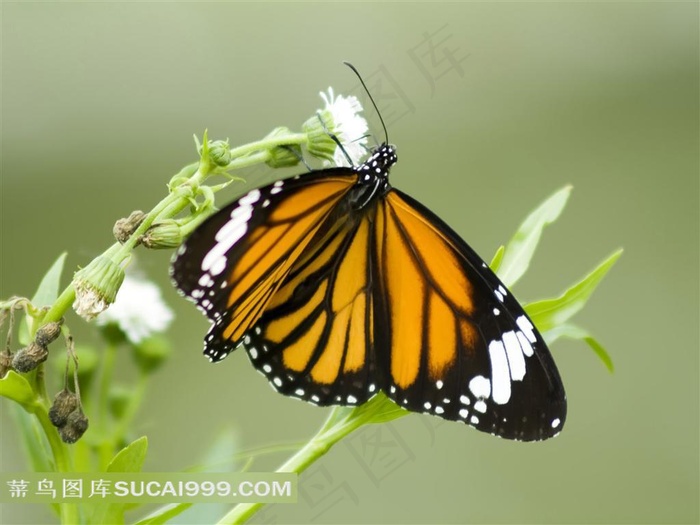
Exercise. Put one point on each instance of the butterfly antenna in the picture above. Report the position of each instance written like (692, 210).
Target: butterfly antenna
(386, 134)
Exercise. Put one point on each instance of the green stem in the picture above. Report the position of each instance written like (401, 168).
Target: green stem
(60, 305)
(61, 457)
(265, 144)
(131, 408)
(317, 446)
(106, 442)
(249, 160)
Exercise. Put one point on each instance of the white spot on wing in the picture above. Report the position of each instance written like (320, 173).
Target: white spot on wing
(230, 233)
(480, 387)
(524, 343)
(252, 197)
(500, 374)
(516, 360)
(526, 326)
(480, 406)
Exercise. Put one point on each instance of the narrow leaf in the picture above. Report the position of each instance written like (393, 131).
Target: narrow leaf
(497, 259)
(379, 409)
(575, 332)
(521, 247)
(45, 295)
(33, 439)
(164, 514)
(130, 458)
(48, 289)
(550, 313)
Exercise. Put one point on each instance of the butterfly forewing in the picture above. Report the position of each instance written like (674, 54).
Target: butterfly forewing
(458, 345)
(233, 263)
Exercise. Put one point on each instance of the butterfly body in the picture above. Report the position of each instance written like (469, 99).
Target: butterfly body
(340, 286)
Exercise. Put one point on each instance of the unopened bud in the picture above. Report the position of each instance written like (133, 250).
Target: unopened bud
(318, 129)
(27, 359)
(63, 405)
(166, 234)
(220, 152)
(285, 155)
(152, 352)
(75, 427)
(125, 228)
(48, 333)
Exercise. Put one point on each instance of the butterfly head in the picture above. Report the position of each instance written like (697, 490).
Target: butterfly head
(379, 163)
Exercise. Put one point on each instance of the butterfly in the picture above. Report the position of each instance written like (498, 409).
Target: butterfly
(340, 286)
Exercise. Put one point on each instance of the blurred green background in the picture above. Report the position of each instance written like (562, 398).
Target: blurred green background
(493, 107)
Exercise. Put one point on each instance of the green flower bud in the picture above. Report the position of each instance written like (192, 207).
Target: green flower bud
(283, 156)
(119, 398)
(220, 152)
(96, 287)
(125, 228)
(75, 427)
(63, 405)
(166, 234)
(151, 353)
(320, 144)
(27, 359)
(48, 333)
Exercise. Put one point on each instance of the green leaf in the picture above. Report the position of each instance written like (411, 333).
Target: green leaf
(130, 458)
(550, 313)
(379, 409)
(33, 440)
(45, 295)
(15, 387)
(521, 247)
(497, 259)
(49, 287)
(164, 514)
(601, 353)
(574, 332)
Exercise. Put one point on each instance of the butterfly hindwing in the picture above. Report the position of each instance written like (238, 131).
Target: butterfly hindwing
(458, 345)
(315, 340)
(233, 263)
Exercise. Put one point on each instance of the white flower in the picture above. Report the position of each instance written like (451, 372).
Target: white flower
(139, 310)
(348, 126)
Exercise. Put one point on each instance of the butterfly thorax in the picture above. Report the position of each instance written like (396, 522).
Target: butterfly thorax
(373, 181)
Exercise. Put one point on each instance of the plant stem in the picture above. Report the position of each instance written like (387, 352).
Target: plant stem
(282, 140)
(105, 446)
(317, 446)
(61, 457)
